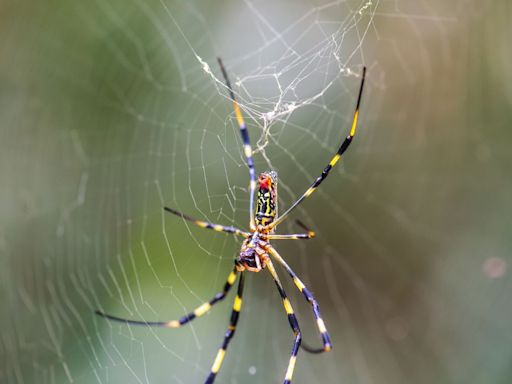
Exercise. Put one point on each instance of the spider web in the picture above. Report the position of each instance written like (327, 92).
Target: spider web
(115, 109)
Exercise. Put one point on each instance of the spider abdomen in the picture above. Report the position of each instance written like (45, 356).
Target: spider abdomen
(266, 207)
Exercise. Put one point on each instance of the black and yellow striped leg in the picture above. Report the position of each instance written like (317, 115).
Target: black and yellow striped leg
(199, 311)
(292, 319)
(245, 141)
(309, 235)
(235, 314)
(205, 224)
(326, 340)
(333, 161)
(295, 236)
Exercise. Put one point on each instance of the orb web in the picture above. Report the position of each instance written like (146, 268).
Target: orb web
(120, 109)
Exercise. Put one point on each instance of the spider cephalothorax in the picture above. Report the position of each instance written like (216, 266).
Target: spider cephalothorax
(253, 254)
(257, 252)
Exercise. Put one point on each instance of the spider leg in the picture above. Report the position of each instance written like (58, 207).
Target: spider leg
(295, 236)
(205, 224)
(344, 145)
(309, 235)
(246, 143)
(292, 319)
(326, 340)
(235, 314)
(199, 311)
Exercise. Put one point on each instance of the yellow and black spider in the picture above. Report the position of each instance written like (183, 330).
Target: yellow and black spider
(256, 252)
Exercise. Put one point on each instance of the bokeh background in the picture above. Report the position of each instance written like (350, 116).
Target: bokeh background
(108, 113)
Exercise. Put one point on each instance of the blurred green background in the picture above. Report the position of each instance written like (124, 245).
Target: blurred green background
(107, 115)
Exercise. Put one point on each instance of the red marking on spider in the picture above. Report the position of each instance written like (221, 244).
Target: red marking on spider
(264, 181)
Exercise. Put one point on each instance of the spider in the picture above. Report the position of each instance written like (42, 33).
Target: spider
(256, 252)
